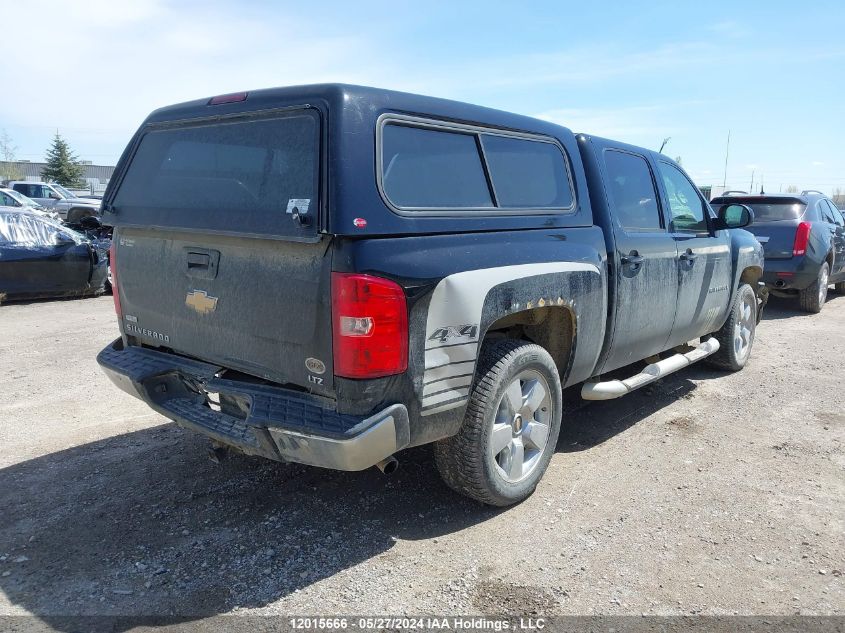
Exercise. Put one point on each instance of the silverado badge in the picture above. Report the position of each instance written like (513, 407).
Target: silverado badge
(199, 301)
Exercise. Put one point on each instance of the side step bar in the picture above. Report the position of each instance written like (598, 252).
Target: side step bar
(615, 388)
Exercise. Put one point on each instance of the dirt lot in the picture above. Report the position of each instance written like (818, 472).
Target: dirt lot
(707, 493)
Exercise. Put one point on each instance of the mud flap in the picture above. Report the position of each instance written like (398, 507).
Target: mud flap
(762, 299)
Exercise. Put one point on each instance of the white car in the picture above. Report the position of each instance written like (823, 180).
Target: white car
(15, 200)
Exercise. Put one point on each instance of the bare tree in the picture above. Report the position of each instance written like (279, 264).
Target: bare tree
(839, 197)
(792, 189)
(8, 171)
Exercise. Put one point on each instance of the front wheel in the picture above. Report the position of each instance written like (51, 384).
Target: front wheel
(813, 297)
(737, 334)
(511, 425)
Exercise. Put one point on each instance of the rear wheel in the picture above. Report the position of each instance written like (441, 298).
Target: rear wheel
(737, 334)
(511, 426)
(812, 298)
(839, 287)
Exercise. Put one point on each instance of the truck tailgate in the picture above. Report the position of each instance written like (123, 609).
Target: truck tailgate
(255, 305)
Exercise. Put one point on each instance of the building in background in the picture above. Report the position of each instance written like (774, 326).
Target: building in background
(96, 177)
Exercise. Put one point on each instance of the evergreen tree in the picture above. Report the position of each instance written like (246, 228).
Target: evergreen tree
(62, 165)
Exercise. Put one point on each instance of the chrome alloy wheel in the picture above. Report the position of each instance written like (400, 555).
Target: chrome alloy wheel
(521, 430)
(744, 328)
(823, 283)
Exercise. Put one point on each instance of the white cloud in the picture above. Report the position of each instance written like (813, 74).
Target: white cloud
(121, 60)
(644, 125)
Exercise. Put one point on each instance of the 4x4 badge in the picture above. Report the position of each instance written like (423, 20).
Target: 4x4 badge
(199, 301)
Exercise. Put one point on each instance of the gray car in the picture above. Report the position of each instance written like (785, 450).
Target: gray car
(803, 237)
(55, 197)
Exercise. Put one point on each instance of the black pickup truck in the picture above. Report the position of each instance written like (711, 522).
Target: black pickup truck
(330, 274)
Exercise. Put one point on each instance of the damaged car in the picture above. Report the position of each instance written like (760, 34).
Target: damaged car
(41, 258)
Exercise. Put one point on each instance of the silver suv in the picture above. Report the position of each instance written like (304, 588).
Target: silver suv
(54, 197)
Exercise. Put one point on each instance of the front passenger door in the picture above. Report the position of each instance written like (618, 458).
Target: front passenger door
(704, 258)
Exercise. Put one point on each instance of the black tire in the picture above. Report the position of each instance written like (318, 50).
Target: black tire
(734, 342)
(839, 287)
(464, 460)
(813, 297)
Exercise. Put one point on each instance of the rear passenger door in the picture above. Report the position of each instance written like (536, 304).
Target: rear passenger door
(704, 258)
(837, 229)
(645, 261)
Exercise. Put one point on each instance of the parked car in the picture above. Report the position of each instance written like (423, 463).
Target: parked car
(56, 198)
(803, 237)
(39, 257)
(436, 277)
(16, 200)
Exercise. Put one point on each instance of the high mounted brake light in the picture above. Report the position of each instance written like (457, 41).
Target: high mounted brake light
(230, 98)
(802, 238)
(370, 323)
(114, 293)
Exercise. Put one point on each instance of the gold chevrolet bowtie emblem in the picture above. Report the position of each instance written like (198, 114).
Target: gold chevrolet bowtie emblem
(199, 301)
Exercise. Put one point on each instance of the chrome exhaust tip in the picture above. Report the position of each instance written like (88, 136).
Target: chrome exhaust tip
(388, 465)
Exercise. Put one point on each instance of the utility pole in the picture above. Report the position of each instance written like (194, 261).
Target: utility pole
(751, 188)
(727, 149)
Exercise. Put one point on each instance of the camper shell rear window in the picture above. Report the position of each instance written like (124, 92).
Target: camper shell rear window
(249, 174)
(434, 168)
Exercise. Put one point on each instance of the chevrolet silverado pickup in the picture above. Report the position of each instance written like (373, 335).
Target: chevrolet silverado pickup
(330, 274)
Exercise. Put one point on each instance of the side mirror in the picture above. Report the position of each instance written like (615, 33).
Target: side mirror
(54, 195)
(734, 216)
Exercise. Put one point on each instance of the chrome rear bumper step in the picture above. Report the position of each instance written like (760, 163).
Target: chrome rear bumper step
(611, 389)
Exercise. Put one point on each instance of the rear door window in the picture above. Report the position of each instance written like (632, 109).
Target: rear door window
(826, 212)
(241, 176)
(632, 191)
(837, 214)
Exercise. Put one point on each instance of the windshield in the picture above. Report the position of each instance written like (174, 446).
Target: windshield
(65, 193)
(255, 176)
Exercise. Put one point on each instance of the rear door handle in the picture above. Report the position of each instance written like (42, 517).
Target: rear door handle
(634, 259)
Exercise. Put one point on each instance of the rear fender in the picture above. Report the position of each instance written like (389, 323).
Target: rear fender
(464, 305)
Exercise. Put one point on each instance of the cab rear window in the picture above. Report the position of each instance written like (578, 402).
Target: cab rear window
(242, 176)
(437, 169)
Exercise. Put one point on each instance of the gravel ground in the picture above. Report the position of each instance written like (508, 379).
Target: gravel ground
(707, 493)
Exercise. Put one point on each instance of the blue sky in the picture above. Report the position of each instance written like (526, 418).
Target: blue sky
(771, 72)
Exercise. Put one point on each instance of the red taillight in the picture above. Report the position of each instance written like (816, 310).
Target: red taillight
(114, 293)
(230, 98)
(802, 237)
(370, 324)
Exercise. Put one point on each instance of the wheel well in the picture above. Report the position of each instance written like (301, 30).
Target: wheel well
(751, 275)
(551, 327)
(829, 259)
(75, 214)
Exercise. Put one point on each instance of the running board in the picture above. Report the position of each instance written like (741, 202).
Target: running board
(615, 388)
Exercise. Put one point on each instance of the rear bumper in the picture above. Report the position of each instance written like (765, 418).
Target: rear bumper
(795, 273)
(269, 421)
